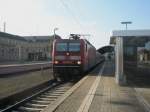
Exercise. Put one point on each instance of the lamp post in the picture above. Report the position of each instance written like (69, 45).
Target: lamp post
(55, 33)
(126, 23)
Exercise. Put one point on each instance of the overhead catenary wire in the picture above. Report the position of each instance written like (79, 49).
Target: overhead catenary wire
(86, 36)
(72, 14)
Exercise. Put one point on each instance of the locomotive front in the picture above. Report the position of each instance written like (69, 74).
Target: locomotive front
(67, 58)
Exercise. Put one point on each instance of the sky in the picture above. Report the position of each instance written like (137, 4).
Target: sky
(98, 18)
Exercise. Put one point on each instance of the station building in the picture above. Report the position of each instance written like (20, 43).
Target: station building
(132, 54)
(25, 48)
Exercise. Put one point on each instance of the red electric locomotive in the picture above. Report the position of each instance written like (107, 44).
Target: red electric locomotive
(72, 57)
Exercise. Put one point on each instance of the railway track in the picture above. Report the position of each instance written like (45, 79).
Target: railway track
(40, 100)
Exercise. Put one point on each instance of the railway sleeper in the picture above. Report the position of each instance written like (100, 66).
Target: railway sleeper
(41, 102)
(44, 99)
(63, 88)
(34, 105)
(29, 109)
(56, 93)
(49, 97)
(59, 90)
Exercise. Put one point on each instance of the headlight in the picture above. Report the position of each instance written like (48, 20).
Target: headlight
(79, 62)
(56, 62)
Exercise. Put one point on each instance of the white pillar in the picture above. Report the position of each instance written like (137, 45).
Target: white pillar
(120, 77)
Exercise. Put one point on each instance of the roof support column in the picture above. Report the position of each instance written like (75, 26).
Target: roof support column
(120, 77)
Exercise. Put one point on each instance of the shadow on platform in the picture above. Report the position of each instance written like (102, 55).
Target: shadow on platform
(138, 79)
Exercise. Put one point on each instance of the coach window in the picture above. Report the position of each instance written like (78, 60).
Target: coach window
(86, 48)
(61, 47)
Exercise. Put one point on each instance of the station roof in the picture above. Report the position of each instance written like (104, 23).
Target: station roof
(123, 33)
(28, 38)
(11, 36)
(41, 38)
(106, 49)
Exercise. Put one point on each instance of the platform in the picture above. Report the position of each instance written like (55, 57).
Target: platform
(100, 93)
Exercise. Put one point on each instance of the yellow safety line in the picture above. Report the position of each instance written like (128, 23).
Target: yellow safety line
(84, 107)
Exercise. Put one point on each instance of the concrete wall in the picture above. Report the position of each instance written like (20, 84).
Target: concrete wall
(17, 83)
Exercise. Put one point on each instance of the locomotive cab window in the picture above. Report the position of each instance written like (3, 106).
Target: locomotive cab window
(74, 47)
(60, 47)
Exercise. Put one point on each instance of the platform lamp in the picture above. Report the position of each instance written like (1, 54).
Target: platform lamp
(126, 23)
(55, 33)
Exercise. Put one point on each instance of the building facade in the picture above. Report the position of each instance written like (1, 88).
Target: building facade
(27, 48)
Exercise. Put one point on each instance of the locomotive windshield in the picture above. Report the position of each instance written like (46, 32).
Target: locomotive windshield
(72, 47)
(61, 47)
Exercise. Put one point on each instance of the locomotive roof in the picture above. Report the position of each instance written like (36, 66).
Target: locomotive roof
(72, 40)
(67, 40)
